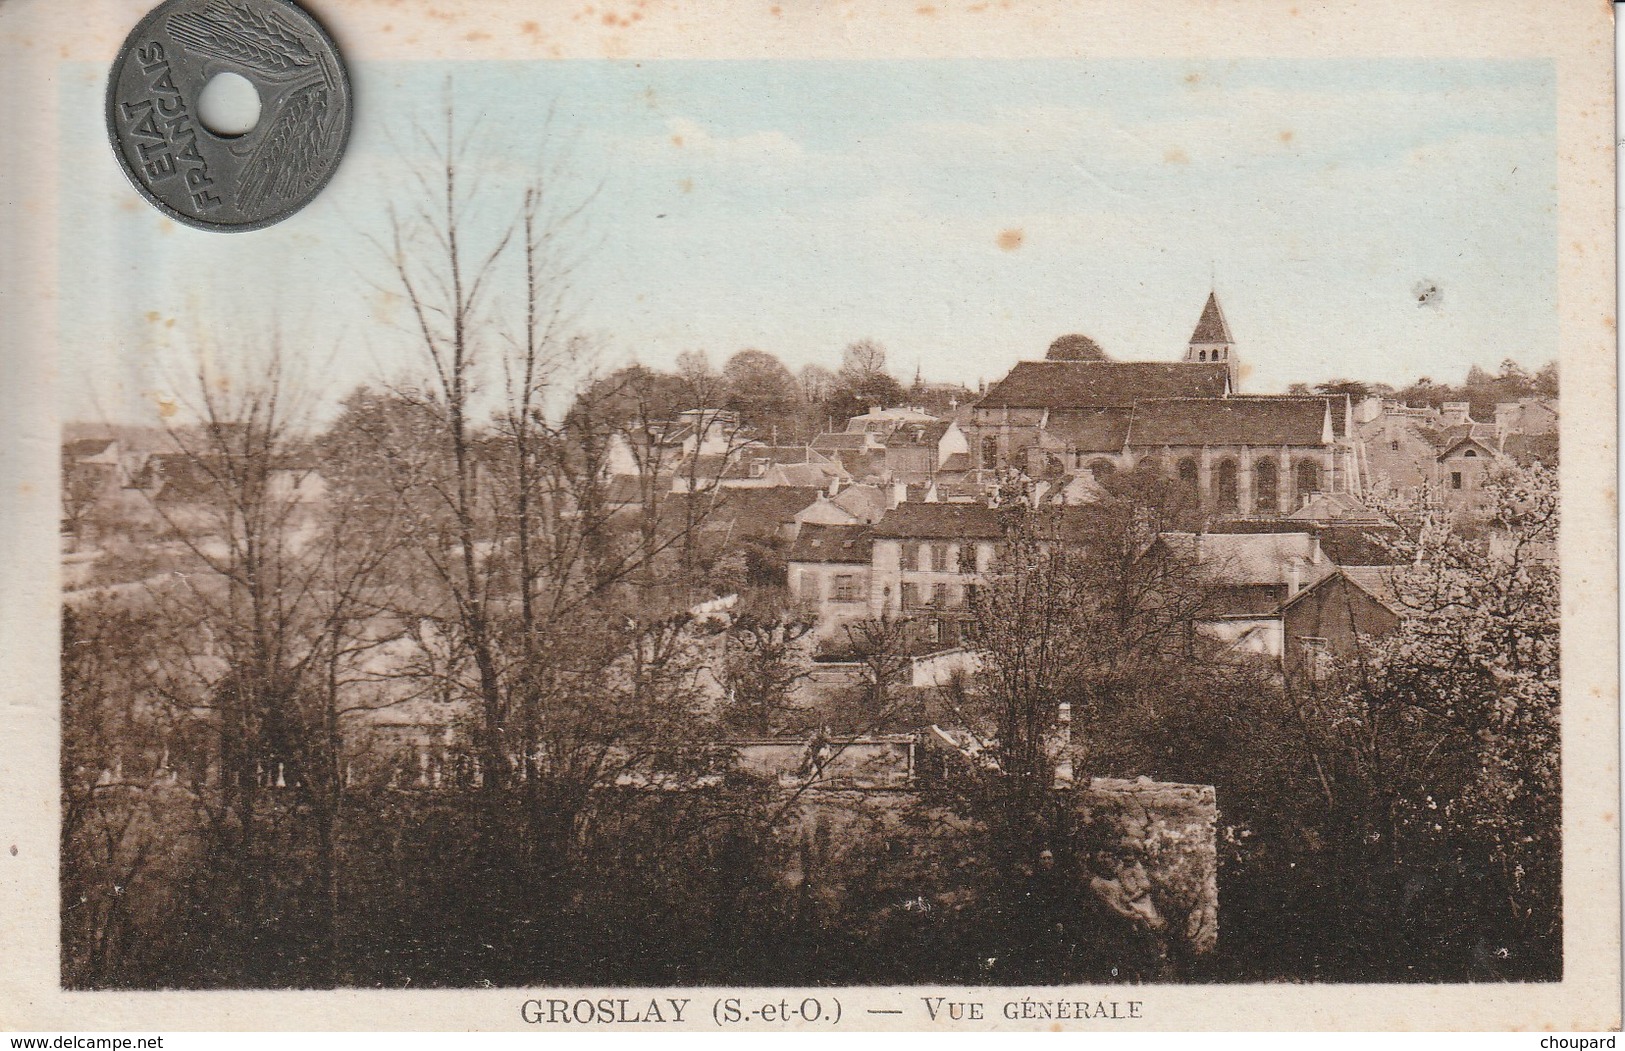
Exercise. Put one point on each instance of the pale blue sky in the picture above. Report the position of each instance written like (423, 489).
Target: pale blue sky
(796, 206)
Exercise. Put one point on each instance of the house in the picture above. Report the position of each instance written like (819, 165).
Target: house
(1248, 576)
(1328, 619)
(1334, 509)
(92, 471)
(865, 503)
(915, 451)
(767, 515)
(829, 572)
(881, 422)
(1526, 416)
(862, 454)
(658, 445)
(928, 558)
(1460, 471)
(1395, 442)
(756, 465)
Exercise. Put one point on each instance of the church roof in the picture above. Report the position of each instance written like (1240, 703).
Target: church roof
(1212, 327)
(1097, 430)
(1229, 421)
(1094, 384)
(1338, 403)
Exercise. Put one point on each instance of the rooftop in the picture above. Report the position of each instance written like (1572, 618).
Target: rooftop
(1094, 384)
(1231, 421)
(1252, 558)
(832, 543)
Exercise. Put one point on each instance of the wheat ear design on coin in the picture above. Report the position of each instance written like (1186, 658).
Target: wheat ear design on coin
(288, 159)
(241, 35)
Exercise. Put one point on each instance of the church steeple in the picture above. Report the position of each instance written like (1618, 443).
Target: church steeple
(1211, 340)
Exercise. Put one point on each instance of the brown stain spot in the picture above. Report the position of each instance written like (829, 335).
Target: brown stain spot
(1608, 319)
(686, 185)
(1010, 240)
(1286, 136)
(776, 11)
(388, 28)
(169, 323)
(25, 489)
(166, 408)
(677, 141)
(925, 9)
(1578, 247)
(1193, 79)
(476, 36)
(1176, 156)
(1608, 817)
(531, 29)
(152, 316)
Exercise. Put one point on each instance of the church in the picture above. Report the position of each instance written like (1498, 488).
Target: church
(1078, 414)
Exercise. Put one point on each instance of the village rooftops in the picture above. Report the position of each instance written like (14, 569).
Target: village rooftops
(940, 522)
(977, 521)
(1252, 558)
(1483, 446)
(842, 440)
(1376, 581)
(1094, 384)
(1231, 421)
(922, 434)
(848, 544)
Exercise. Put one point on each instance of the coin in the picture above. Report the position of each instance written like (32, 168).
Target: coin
(226, 182)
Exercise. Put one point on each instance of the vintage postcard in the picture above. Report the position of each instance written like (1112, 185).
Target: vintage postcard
(659, 515)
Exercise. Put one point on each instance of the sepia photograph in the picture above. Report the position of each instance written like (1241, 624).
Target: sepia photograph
(1087, 521)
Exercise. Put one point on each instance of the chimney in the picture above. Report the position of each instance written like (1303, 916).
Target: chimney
(931, 492)
(1295, 577)
(1196, 547)
(875, 410)
(1314, 550)
(899, 493)
(835, 485)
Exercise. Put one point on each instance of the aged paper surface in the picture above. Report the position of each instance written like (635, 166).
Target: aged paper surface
(1375, 191)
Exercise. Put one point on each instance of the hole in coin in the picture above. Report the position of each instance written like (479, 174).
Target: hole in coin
(229, 105)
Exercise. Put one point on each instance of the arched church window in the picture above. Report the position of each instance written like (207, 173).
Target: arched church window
(1227, 493)
(1201, 355)
(1187, 472)
(1266, 486)
(1308, 479)
(1470, 453)
(990, 451)
(1102, 469)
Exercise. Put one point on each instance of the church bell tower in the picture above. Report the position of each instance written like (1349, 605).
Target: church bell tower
(1211, 341)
